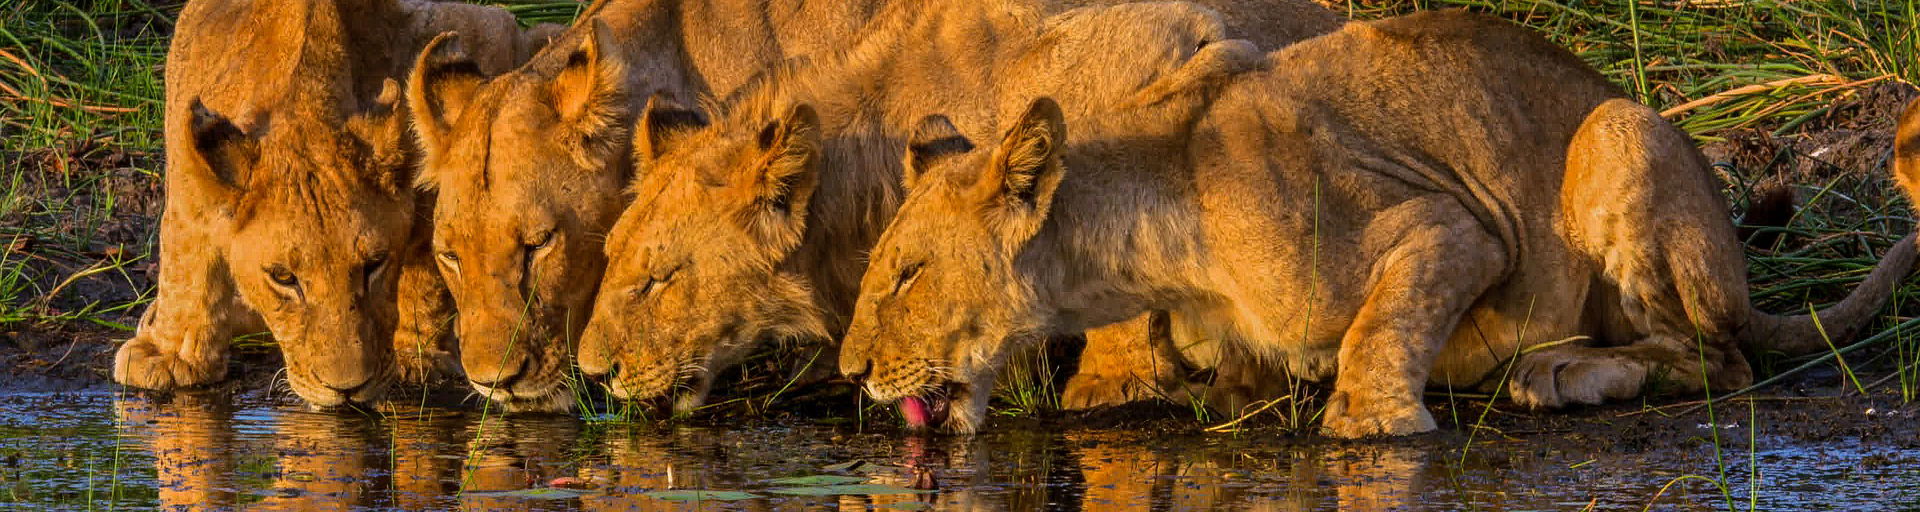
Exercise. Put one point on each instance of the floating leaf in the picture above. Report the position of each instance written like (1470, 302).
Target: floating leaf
(852, 465)
(696, 495)
(544, 493)
(831, 490)
(817, 480)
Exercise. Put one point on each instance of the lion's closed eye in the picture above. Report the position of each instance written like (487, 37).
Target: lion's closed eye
(908, 273)
(654, 283)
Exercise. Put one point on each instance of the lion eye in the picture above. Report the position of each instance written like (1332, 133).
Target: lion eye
(654, 283)
(907, 273)
(375, 264)
(541, 242)
(282, 276)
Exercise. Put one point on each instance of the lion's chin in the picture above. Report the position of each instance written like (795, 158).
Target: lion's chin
(322, 398)
(680, 398)
(330, 400)
(546, 399)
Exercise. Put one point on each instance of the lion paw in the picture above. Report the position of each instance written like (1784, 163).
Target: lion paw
(1087, 391)
(1345, 419)
(141, 364)
(1552, 380)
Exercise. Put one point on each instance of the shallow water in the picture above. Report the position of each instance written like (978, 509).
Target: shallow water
(77, 451)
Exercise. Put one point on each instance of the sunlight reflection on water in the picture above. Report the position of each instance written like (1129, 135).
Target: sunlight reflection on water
(73, 450)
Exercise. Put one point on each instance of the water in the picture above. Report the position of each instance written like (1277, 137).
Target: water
(78, 451)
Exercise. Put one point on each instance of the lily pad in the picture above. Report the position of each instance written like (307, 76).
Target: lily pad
(817, 480)
(698, 495)
(834, 490)
(864, 468)
(544, 493)
(852, 465)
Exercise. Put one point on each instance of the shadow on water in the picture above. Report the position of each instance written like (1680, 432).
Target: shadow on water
(101, 451)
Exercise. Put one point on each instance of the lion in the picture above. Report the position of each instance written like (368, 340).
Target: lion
(1421, 200)
(289, 203)
(543, 153)
(752, 228)
(528, 167)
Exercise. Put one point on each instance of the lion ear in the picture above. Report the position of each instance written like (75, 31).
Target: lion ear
(439, 88)
(934, 138)
(590, 93)
(660, 123)
(221, 157)
(384, 130)
(1027, 170)
(784, 181)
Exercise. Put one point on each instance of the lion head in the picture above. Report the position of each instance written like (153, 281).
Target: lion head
(318, 215)
(528, 169)
(700, 267)
(942, 303)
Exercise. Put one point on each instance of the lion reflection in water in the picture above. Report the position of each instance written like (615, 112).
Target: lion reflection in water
(426, 460)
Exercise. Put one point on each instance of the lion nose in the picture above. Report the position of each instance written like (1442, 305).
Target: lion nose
(857, 369)
(503, 379)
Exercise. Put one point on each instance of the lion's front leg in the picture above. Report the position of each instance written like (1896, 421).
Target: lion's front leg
(1124, 363)
(183, 337)
(423, 343)
(1420, 290)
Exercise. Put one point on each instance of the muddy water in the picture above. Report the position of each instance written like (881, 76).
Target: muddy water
(78, 451)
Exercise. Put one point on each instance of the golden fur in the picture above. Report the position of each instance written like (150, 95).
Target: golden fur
(528, 167)
(288, 203)
(753, 228)
(1403, 203)
(544, 151)
(1906, 151)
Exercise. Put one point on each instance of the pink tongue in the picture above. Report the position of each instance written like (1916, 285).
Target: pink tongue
(915, 410)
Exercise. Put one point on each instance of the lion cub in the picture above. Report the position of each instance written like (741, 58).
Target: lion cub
(1407, 202)
(290, 207)
(530, 168)
(753, 228)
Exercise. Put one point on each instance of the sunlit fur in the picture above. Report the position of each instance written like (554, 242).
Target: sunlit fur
(529, 168)
(1906, 151)
(1402, 203)
(735, 238)
(287, 155)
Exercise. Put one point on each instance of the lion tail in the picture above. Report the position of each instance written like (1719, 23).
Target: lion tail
(1810, 333)
(1800, 334)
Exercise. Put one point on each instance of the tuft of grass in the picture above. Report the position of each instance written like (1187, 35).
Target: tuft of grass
(79, 158)
(1672, 53)
(1026, 386)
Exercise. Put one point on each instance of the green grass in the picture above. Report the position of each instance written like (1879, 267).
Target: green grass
(79, 117)
(1668, 55)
